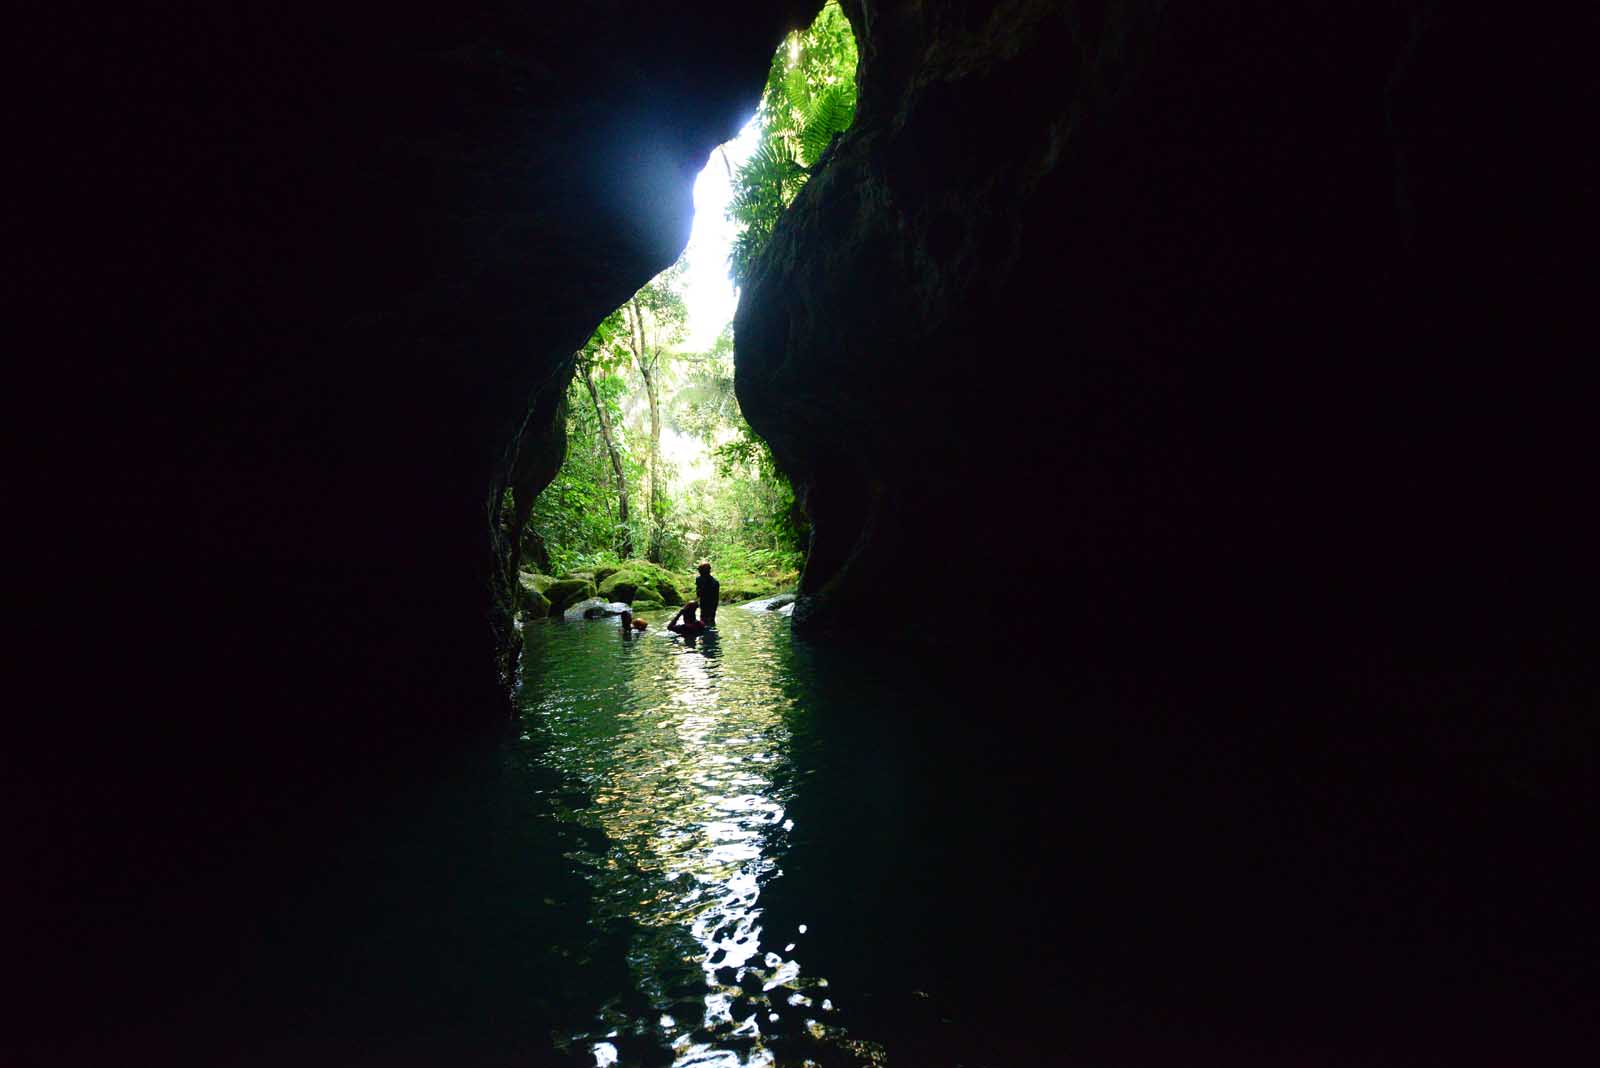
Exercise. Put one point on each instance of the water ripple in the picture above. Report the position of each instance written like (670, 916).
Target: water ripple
(677, 754)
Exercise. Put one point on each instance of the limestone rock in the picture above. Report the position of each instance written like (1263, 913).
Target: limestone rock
(532, 603)
(768, 604)
(592, 608)
(640, 580)
(565, 592)
(533, 580)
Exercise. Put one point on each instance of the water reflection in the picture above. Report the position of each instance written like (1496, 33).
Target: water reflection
(676, 751)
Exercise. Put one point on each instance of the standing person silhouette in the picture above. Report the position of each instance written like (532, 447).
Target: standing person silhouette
(709, 591)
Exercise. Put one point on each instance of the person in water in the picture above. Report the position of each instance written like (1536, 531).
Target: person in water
(690, 624)
(630, 625)
(709, 590)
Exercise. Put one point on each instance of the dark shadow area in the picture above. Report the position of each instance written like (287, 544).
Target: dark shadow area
(1015, 861)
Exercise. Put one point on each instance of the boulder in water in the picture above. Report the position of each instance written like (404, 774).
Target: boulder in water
(639, 581)
(533, 580)
(592, 608)
(532, 603)
(563, 593)
(769, 604)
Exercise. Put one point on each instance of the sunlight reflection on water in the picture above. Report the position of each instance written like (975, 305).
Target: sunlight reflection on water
(677, 753)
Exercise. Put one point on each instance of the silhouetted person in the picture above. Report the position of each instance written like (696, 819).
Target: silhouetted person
(690, 624)
(631, 626)
(709, 590)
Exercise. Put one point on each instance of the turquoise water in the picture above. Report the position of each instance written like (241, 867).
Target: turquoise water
(674, 768)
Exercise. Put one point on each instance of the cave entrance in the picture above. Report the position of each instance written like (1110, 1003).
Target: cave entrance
(661, 470)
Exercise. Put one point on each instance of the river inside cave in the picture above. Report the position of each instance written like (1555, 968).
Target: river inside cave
(795, 852)
(762, 850)
(676, 767)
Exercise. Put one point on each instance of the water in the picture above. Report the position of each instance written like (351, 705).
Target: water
(784, 853)
(753, 850)
(680, 754)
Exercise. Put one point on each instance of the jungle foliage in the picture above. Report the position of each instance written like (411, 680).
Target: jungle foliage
(620, 494)
(810, 99)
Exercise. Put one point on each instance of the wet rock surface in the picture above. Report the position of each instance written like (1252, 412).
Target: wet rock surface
(593, 608)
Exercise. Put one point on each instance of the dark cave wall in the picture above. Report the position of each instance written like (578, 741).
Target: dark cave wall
(1232, 358)
(294, 281)
(284, 283)
(1224, 326)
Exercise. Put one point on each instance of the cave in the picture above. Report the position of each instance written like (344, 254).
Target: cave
(1229, 357)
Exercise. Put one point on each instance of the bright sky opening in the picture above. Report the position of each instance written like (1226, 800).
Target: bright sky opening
(707, 290)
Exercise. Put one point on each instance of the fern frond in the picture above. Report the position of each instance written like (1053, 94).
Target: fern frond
(830, 113)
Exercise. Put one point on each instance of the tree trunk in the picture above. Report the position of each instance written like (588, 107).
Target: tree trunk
(655, 467)
(616, 460)
(646, 361)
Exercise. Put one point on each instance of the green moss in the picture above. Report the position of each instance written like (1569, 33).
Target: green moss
(534, 605)
(531, 601)
(741, 586)
(532, 580)
(604, 572)
(639, 580)
(566, 592)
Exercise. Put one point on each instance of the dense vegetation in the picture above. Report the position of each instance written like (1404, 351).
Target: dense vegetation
(809, 100)
(621, 493)
(660, 463)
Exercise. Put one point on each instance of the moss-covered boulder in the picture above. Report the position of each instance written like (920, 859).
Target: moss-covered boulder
(587, 576)
(603, 573)
(641, 581)
(739, 587)
(565, 592)
(532, 580)
(531, 601)
(742, 591)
